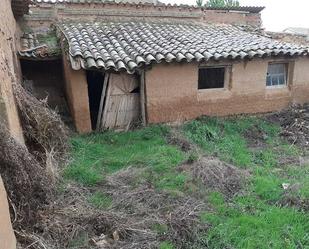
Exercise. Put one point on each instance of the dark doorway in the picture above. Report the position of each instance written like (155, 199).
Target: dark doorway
(95, 82)
(44, 79)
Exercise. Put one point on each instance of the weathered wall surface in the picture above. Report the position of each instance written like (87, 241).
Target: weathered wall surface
(7, 238)
(77, 96)
(44, 14)
(238, 18)
(173, 95)
(9, 73)
(8, 69)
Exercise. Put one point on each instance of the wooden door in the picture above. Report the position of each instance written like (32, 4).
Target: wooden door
(122, 105)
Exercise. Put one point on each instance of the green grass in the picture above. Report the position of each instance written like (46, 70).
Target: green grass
(166, 245)
(250, 223)
(96, 155)
(252, 219)
(225, 138)
(100, 200)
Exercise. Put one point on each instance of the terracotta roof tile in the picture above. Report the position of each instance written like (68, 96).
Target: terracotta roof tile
(130, 45)
(39, 45)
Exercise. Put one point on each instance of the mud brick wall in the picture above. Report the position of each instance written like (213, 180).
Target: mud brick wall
(44, 14)
(173, 95)
(237, 18)
(9, 71)
(77, 96)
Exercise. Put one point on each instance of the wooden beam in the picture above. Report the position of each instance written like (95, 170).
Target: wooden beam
(142, 98)
(99, 118)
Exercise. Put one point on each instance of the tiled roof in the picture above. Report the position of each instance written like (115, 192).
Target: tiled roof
(130, 45)
(39, 46)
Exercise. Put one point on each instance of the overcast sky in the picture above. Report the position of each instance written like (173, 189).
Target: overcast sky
(278, 15)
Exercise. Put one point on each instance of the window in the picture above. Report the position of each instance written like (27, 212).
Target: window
(212, 77)
(277, 74)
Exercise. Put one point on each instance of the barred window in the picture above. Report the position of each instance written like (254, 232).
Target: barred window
(277, 74)
(212, 77)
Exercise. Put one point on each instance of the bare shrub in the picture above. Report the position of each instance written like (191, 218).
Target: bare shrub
(28, 186)
(43, 128)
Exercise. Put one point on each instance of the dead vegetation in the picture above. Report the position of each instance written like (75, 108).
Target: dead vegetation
(139, 217)
(217, 175)
(45, 133)
(294, 122)
(28, 186)
(30, 173)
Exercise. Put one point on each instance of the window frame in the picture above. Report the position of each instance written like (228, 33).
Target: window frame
(286, 76)
(227, 73)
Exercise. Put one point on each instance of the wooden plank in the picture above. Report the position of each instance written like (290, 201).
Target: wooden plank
(142, 98)
(108, 96)
(99, 118)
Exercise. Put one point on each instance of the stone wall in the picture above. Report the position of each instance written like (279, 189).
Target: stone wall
(173, 95)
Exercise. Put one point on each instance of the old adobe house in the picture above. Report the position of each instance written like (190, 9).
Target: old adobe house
(115, 63)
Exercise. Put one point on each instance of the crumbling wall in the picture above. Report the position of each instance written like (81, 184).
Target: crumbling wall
(43, 14)
(173, 95)
(8, 111)
(8, 69)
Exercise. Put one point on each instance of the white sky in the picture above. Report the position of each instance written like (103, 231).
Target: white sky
(278, 15)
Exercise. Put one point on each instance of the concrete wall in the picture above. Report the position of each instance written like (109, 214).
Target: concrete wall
(9, 71)
(77, 96)
(172, 91)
